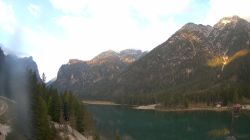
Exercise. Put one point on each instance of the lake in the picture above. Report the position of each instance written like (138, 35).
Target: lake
(134, 124)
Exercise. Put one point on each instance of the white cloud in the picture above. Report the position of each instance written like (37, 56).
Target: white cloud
(48, 51)
(222, 8)
(70, 6)
(152, 9)
(7, 17)
(103, 33)
(112, 26)
(34, 9)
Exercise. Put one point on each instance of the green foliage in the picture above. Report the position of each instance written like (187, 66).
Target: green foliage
(55, 106)
(40, 120)
(48, 105)
(80, 119)
(226, 92)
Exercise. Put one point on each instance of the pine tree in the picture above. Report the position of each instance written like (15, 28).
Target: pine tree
(80, 119)
(235, 97)
(55, 107)
(39, 110)
(40, 120)
(66, 109)
(43, 78)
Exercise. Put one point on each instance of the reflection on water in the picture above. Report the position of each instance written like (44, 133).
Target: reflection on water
(152, 125)
(219, 132)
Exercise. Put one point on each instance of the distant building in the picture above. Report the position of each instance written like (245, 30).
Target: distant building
(218, 104)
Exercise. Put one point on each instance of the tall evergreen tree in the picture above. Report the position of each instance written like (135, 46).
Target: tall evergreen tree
(40, 120)
(55, 107)
(79, 119)
(43, 78)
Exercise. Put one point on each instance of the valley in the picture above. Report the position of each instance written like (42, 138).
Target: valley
(198, 64)
(194, 85)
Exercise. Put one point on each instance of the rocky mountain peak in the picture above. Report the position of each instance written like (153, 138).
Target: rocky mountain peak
(1, 51)
(125, 56)
(106, 54)
(229, 35)
(130, 51)
(1, 59)
(104, 57)
(231, 21)
(1, 54)
(12, 64)
(130, 55)
(74, 61)
(191, 27)
(80, 76)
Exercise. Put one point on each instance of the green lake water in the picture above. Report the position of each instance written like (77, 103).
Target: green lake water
(134, 124)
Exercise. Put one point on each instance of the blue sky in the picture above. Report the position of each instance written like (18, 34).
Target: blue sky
(53, 31)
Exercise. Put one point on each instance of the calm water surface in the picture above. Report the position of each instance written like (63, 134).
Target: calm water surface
(153, 125)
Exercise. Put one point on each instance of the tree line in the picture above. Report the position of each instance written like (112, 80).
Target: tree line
(46, 106)
(226, 93)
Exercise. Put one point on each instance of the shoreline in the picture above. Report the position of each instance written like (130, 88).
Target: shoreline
(155, 107)
(222, 109)
(98, 102)
(162, 109)
(146, 107)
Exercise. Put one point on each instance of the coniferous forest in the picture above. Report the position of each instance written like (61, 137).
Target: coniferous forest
(47, 107)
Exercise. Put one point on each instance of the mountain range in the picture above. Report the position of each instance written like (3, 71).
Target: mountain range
(82, 77)
(196, 59)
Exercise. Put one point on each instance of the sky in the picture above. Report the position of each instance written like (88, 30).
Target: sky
(54, 31)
